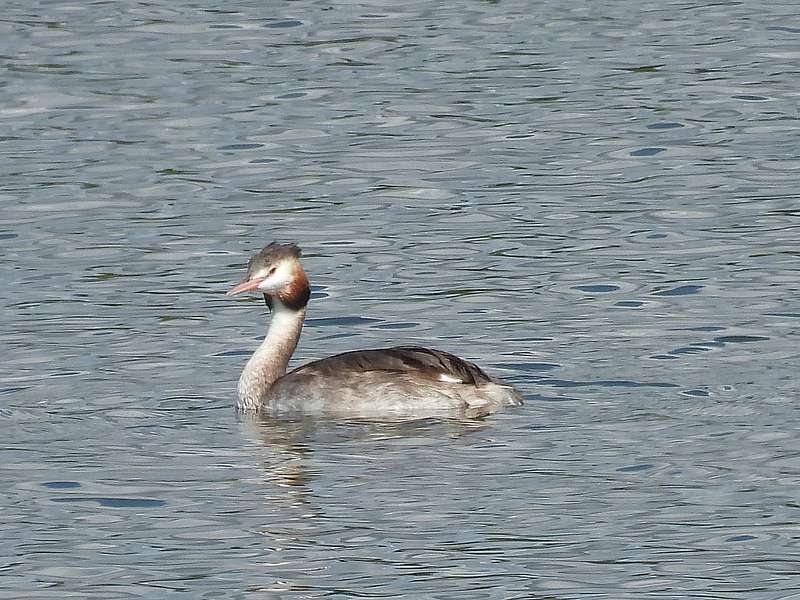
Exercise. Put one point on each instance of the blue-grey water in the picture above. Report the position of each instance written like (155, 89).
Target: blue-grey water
(597, 201)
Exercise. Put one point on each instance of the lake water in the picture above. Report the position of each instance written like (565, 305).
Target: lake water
(597, 201)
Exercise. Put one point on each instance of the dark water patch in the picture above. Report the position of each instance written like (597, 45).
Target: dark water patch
(340, 336)
(65, 373)
(751, 98)
(647, 151)
(77, 107)
(341, 321)
(113, 502)
(636, 468)
(174, 171)
(643, 69)
(665, 125)
(61, 485)
(286, 23)
(234, 353)
(683, 290)
(689, 350)
(696, 393)
(629, 303)
(544, 99)
(783, 28)
(544, 398)
(243, 146)
(611, 383)
(597, 288)
(528, 367)
(391, 326)
(708, 344)
(12, 390)
(740, 538)
(740, 339)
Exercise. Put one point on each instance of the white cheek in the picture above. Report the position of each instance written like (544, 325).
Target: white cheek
(280, 279)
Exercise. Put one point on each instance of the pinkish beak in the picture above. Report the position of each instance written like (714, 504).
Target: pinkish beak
(245, 286)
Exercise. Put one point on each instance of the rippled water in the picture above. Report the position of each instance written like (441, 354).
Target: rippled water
(594, 200)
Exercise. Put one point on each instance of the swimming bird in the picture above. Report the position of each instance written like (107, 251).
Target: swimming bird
(402, 381)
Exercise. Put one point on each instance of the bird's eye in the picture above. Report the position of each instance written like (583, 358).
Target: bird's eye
(271, 272)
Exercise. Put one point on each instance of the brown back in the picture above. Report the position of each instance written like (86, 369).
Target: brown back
(402, 359)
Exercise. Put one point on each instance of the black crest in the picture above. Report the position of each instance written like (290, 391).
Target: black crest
(272, 254)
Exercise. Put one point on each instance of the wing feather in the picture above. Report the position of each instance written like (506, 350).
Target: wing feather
(402, 359)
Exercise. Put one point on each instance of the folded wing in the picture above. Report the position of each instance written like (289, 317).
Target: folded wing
(425, 362)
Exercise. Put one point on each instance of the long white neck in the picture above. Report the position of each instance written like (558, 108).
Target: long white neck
(268, 363)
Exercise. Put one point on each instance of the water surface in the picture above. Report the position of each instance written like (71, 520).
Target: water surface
(596, 201)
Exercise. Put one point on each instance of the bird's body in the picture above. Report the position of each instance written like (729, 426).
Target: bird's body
(400, 381)
(404, 381)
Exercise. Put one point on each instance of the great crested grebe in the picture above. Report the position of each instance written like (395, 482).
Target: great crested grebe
(404, 380)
